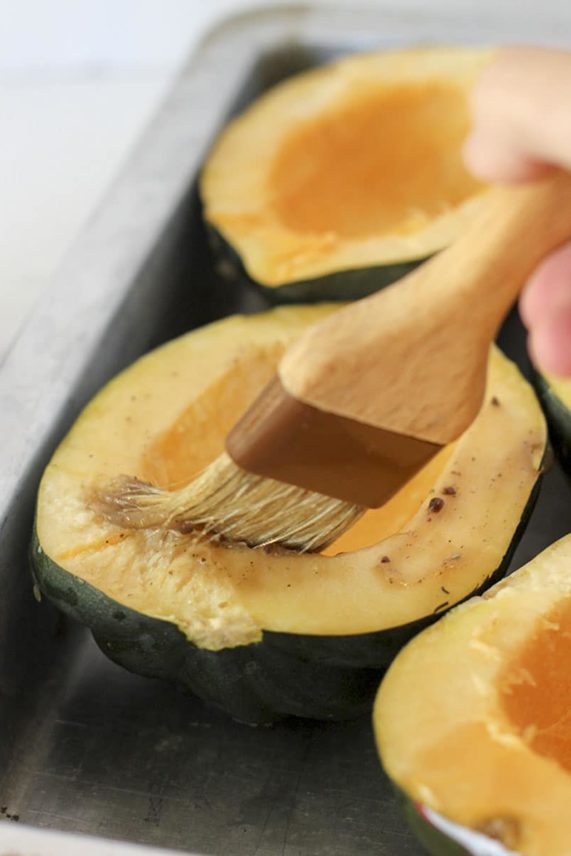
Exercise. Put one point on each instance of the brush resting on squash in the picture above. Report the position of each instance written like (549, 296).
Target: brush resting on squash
(406, 366)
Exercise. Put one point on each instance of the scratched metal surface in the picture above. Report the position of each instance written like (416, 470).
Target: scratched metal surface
(87, 747)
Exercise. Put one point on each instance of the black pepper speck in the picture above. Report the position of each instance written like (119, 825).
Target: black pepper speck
(436, 504)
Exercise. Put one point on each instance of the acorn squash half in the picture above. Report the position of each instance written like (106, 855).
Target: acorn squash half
(268, 634)
(473, 719)
(342, 179)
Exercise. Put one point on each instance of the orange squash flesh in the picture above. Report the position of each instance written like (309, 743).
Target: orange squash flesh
(473, 719)
(166, 417)
(352, 168)
(379, 523)
(536, 689)
(388, 162)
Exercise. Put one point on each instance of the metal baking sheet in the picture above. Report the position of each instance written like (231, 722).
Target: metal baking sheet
(86, 747)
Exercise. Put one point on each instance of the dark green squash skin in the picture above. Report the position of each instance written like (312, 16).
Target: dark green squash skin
(558, 419)
(437, 842)
(320, 677)
(257, 683)
(342, 285)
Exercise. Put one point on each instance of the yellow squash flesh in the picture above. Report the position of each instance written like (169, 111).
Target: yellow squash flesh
(166, 417)
(353, 165)
(473, 718)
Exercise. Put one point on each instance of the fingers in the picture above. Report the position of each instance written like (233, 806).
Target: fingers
(549, 289)
(549, 344)
(501, 161)
(521, 116)
(545, 308)
(522, 130)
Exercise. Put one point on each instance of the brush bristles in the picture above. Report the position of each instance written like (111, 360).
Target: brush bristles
(227, 502)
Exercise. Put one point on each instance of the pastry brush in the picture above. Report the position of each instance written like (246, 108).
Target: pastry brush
(366, 397)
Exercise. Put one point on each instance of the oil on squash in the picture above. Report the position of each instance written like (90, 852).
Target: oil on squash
(270, 634)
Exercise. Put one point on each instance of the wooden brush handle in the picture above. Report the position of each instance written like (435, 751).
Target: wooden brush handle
(412, 358)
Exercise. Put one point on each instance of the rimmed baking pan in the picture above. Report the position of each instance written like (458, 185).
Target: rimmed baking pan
(86, 747)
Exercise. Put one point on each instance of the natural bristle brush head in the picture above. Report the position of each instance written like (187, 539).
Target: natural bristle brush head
(251, 495)
(226, 503)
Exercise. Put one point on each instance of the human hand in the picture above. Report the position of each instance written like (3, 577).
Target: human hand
(521, 110)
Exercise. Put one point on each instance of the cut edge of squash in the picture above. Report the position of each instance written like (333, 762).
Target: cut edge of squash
(471, 719)
(220, 596)
(280, 229)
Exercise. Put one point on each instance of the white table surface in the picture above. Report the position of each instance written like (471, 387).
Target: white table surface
(79, 79)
